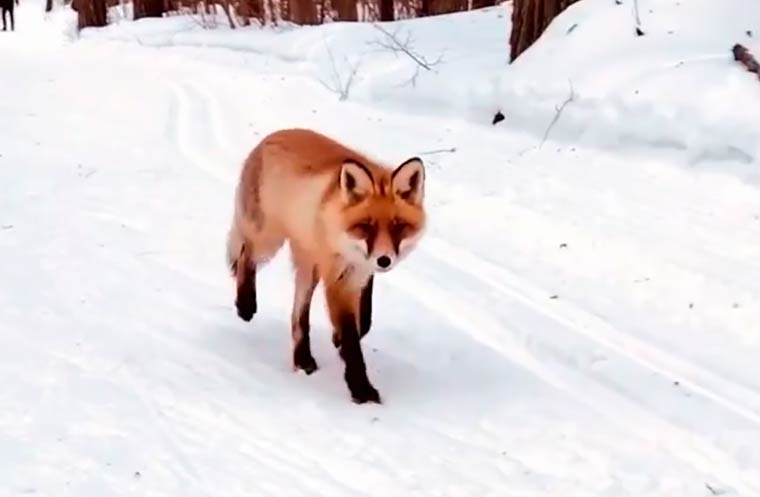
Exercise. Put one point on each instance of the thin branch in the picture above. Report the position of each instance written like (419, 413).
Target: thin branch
(713, 490)
(636, 12)
(558, 113)
(405, 47)
(338, 85)
(440, 151)
(396, 45)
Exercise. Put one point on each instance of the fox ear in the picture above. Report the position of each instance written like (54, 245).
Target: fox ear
(408, 180)
(355, 181)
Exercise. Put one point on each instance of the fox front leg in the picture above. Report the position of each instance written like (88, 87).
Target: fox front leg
(365, 313)
(343, 307)
(365, 308)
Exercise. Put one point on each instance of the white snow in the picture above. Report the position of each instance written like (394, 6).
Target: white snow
(582, 318)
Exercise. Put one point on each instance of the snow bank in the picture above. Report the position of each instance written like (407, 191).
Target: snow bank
(675, 88)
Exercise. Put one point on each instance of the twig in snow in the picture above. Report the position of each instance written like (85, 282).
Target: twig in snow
(394, 44)
(714, 490)
(636, 12)
(558, 113)
(440, 151)
(337, 85)
(637, 17)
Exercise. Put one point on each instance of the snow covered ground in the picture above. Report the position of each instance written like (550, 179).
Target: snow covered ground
(583, 318)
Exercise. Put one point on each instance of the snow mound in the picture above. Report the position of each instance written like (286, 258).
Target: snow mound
(675, 88)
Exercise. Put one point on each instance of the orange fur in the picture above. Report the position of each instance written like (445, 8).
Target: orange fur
(345, 217)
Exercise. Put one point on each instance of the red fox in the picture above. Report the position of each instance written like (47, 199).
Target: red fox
(345, 218)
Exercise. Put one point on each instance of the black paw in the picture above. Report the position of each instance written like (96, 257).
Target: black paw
(305, 361)
(362, 391)
(336, 340)
(246, 309)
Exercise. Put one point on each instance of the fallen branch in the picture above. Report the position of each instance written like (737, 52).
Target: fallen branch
(558, 113)
(440, 151)
(714, 490)
(743, 55)
(636, 14)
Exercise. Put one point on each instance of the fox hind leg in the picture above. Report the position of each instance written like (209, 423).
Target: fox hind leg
(250, 246)
(245, 276)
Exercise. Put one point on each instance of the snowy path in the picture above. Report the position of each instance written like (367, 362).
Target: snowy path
(575, 323)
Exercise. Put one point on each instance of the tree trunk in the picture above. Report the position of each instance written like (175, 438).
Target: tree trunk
(479, 4)
(386, 10)
(148, 8)
(303, 12)
(424, 8)
(91, 13)
(346, 10)
(529, 19)
(438, 7)
(251, 9)
(230, 13)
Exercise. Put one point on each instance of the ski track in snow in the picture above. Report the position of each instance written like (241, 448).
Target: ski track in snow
(129, 373)
(529, 304)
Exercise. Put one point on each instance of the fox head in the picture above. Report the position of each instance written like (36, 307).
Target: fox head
(382, 212)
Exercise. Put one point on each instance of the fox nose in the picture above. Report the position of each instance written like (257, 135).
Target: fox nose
(384, 261)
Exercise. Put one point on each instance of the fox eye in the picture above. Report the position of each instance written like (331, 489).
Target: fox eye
(401, 227)
(363, 229)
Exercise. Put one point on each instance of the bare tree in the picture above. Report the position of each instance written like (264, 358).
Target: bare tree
(529, 19)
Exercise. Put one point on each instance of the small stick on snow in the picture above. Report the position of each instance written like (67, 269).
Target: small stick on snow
(743, 55)
(440, 151)
(713, 490)
(557, 115)
(636, 12)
